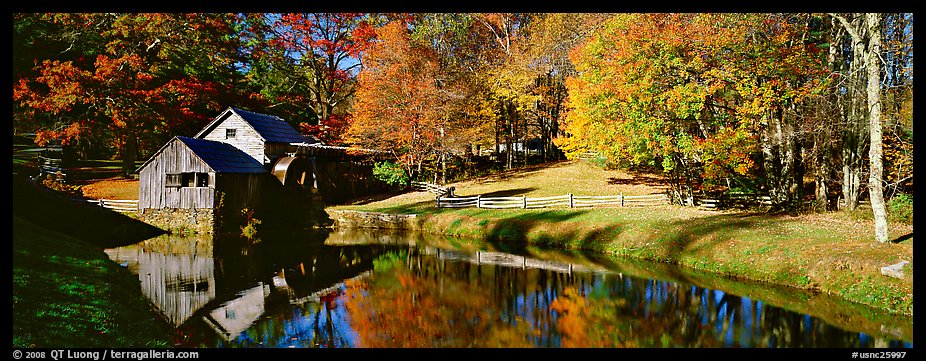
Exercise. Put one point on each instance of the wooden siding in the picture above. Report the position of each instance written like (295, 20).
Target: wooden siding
(242, 190)
(276, 150)
(246, 138)
(175, 158)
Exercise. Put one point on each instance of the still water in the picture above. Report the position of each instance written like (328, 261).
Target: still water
(369, 288)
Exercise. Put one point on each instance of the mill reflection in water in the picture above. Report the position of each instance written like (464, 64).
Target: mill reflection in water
(377, 289)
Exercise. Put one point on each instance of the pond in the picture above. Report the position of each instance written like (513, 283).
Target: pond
(373, 288)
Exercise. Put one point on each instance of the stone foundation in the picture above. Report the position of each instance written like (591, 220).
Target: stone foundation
(174, 220)
(357, 219)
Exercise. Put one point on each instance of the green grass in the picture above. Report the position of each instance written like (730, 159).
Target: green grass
(833, 253)
(67, 293)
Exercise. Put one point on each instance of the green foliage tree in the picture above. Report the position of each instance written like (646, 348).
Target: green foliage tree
(392, 174)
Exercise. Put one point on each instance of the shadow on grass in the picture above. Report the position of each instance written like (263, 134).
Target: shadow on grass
(98, 226)
(680, 235)
(903, 238)
(369, 199)
(508, 192)
(639, 179)
(519, 172)
(510, 234)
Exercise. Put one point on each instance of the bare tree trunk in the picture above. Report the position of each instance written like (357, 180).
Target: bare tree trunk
(509, 148)
(524, 139)
(873, 65)
(822, 170)
(786, 149)
(870, 25)
(853, 141)
(443, 167)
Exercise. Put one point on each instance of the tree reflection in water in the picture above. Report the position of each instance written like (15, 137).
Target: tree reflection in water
(291, 294)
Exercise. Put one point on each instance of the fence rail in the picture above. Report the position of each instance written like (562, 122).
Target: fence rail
(437, 189)
(122, 205)
(567, 200)
(733, 200)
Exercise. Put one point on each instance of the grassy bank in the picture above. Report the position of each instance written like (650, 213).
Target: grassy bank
(833, 253)
(67, 293)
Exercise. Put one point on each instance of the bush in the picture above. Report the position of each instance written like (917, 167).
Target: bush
(56, 182)
(249, 229)
(900, 208)
(392, 174)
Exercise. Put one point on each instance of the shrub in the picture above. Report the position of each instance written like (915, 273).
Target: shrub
(392, 174)
(900, 208)
(56, 182)
(249, 229)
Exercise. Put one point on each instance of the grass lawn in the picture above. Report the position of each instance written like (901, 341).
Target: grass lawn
(833, 252)
(68, 293)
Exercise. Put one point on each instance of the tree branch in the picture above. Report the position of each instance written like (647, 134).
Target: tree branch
(849, 28)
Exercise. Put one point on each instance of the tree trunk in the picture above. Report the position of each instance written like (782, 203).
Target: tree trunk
(524, 139)
(785, 140)
(129, 153)
(870, 25)
(853, 140)
(770, 160)
(443, 167)
(822, 169)
(873, 65)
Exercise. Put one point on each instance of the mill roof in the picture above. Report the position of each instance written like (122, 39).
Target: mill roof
(270, 127)
(221, 157)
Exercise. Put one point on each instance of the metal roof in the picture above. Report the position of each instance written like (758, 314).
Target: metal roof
(272, 128)
(222, 157)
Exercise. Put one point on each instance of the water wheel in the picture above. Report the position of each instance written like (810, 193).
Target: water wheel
(292, 171)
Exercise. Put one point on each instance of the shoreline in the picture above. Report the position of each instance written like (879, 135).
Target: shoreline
(710, 246)
(68, 293)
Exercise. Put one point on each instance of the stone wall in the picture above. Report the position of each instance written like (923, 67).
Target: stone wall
(178, 220)
(357, 219)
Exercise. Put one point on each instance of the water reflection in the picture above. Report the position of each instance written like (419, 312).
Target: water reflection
(177, 274)
(385, 290)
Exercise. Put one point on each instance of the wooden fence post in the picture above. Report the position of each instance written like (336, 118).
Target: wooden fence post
(572, 203)
(101, 203)
(525, 202)
(622, 199)
(478, 201)
(438, 201)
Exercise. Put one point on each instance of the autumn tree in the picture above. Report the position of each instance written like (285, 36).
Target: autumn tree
(543, 56)
(399, 105)
(707, 98)
(306, 64)
(464, 54)
(897, 100)
(132, 80)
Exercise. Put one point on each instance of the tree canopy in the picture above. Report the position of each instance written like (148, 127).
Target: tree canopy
(792, 105)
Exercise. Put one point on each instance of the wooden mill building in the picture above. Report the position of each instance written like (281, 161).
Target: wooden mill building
(244, 159)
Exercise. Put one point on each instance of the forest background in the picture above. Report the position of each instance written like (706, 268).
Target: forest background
(814, 110)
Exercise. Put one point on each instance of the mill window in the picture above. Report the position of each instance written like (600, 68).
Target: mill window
(187, 179)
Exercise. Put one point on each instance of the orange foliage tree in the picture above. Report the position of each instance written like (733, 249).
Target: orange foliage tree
(691, 94)
(131, 79)
(401, 104)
